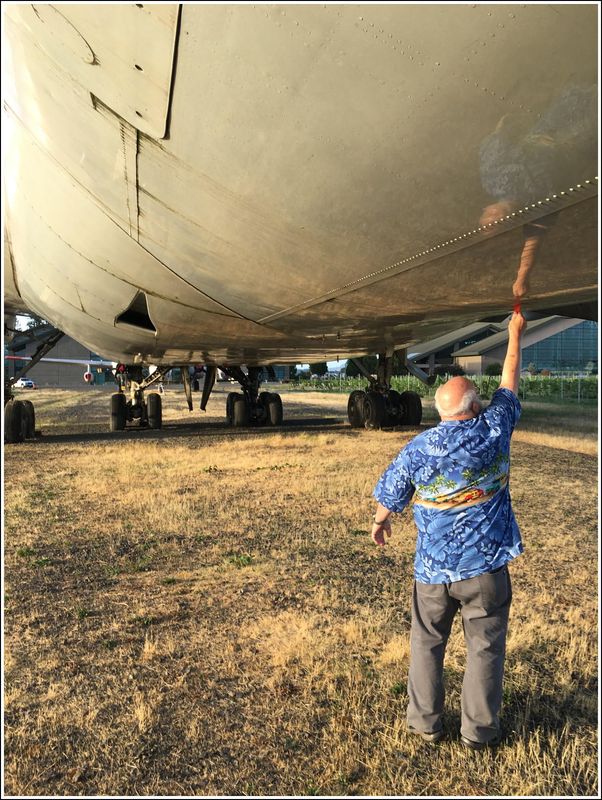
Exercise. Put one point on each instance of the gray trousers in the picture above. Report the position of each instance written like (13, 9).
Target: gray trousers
(484, 602)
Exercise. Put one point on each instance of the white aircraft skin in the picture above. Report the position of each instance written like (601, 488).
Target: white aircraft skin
(284, 184)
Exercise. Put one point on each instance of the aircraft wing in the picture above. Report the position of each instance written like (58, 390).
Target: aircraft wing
(228, 184)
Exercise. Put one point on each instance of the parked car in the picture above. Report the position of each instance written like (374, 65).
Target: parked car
(25, 383)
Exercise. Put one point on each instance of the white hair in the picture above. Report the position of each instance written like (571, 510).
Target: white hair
(463, 407)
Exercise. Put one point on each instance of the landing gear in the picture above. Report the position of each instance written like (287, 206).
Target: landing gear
(146, 410)
(380, 406)
(20, 415)
(251, 407)
(19, 421)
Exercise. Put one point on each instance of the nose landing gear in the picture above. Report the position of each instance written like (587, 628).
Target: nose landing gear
(143, 406)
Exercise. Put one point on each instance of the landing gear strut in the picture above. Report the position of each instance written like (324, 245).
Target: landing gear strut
(143, 406)
(250, 407)
(380, 406)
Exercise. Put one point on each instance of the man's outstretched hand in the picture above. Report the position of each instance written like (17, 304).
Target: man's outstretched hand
(379, 530)
(517, 324)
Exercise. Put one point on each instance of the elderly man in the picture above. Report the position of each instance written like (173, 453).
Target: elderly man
(456, 474)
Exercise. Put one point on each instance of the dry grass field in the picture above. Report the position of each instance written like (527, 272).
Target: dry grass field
(200, 610)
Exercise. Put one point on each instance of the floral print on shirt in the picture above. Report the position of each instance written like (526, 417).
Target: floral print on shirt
(457, 476)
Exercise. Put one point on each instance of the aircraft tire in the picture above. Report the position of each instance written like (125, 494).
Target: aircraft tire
(230, 405)
(13, 421)
(240, 412)
(355, 408)
(375, 410)
(118, 411)
(275, 412)
(154, 410)
(29, 420)
(395, 408)
(412, 408)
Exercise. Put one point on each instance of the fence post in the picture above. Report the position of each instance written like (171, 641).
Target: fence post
(562, 387)
(579, 389)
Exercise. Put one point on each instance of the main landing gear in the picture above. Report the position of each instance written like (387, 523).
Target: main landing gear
(132, 402)
(251, 407)
(379, 406)
(20, 415)
(19, 421)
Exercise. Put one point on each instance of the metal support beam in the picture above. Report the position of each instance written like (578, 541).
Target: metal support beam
(384, 370)
(44, 347)
(187, 386)
(210, 376)
(423, 376)
(363, 370)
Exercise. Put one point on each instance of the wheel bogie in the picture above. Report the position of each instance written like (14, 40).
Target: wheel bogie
(378, 409)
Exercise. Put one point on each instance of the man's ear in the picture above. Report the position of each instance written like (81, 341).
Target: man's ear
(476, 407)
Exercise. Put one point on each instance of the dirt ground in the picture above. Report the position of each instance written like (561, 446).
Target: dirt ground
(200, 610)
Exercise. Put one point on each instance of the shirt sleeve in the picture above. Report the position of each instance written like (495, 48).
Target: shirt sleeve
(503, 411)
(394, 489)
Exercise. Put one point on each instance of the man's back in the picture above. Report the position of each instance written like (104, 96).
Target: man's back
(457, 475)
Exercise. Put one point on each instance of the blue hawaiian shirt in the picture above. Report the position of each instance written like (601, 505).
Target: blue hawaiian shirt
(456, 475)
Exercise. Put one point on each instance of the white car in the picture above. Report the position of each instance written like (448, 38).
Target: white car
(25, 383)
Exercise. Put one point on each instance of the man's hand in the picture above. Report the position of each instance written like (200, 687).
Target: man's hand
(517, 325)
(378, 532)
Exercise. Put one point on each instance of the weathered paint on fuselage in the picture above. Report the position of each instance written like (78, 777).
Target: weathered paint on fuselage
(294, 183)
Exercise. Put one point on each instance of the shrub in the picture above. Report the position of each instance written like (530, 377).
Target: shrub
(494, 369)
(449, 369)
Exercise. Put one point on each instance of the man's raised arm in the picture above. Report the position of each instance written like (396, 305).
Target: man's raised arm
(511, 370)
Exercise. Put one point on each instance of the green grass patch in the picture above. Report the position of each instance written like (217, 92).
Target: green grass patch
(240, 560)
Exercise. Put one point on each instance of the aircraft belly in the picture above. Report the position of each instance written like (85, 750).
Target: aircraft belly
(126, 61)
(335, 142)
(312, 182)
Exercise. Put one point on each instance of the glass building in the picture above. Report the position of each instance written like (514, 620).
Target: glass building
(575, 349)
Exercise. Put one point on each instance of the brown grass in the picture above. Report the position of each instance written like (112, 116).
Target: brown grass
(200, 611)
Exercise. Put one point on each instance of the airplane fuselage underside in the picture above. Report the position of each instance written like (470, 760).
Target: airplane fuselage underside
(256, 185)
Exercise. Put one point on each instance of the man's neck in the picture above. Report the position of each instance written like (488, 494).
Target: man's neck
(460, 417)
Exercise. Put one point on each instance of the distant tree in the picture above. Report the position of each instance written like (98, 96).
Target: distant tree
(494, 369)
(370, 362)
(449, 369)
(319, 369)
(532, 369)
(293, 372)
